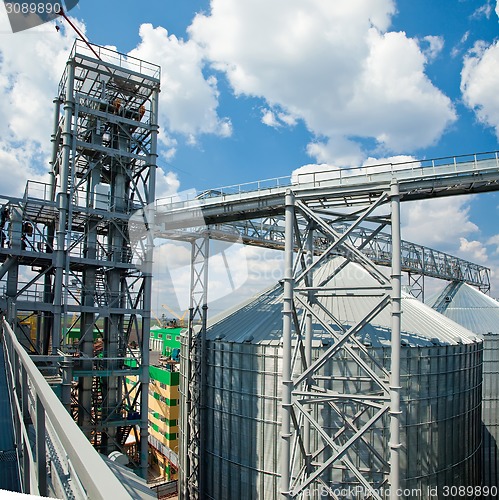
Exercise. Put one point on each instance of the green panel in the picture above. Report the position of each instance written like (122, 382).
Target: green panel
(169, 337)
(132, 363)
(74, 334)
(170, 437)
(164, 376)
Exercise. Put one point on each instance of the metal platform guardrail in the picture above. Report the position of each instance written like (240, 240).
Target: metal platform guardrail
(350, 176)
(417, 180)
(55, 457)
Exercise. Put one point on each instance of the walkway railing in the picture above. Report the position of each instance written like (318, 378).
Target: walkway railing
(55, 457)
(450, 165)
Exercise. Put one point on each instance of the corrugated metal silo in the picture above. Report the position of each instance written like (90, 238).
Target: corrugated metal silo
(441, 397)
(479, 313)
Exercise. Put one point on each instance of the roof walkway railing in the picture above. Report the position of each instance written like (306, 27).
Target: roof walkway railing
(55, 457)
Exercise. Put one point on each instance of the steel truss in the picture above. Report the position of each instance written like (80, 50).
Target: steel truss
(191, 438)
(418, 261)
(310, 455)
(89, 269)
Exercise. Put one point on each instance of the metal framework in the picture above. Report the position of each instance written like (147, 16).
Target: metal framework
(191, 441)
(54, 457)
(327, 216)
(342, 449)
(418, 261)
(73, 263)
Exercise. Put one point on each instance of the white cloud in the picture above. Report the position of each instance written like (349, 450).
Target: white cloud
(473, 250)
(269, 118)
(337, 149)
(167, 183)
(435, 46)
(494, 241)
(276, 119)
(497, 9)
(479, 81)
(16, 168)
(31, 65)
(483, 11)
(188, 101)
(456, 50)
(315, 173)
(325, 171)
(438, 223)
(331, 64)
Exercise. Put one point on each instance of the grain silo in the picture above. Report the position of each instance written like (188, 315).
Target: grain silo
(479, 313)
(441, 370)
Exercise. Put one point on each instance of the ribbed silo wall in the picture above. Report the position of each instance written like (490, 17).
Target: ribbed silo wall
(441, 419)
(490, 409)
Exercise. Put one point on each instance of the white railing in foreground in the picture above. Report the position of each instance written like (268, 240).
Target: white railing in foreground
(55, 457)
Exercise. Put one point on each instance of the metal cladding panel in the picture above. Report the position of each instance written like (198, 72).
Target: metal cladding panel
(490, 409)
(441, 404)
(480, 314)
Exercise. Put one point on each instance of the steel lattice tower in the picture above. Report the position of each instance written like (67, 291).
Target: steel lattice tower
(90, 281)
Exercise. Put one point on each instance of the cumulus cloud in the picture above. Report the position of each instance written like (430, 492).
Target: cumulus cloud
(473, 250)
(31, 65)
(334, 65)
(188, 100)
(479, 79)
(438, 223)
(167, 183)
(457, 49)
(494, 241)
(325, 171)
(269, 118)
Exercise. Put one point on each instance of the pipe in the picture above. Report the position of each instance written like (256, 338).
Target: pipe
(62, 201)
(309, 258)
(287, 319)
(396, 312)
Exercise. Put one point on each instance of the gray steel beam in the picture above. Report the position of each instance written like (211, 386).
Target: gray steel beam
(307, 397)
(396, 312)
(192, 412)
(287, 328)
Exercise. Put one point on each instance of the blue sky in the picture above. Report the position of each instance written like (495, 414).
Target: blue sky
(257, 89)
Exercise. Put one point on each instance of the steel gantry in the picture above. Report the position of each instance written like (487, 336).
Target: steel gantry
(327, 215)
(70, 263)
(191, 442)
(336, 455)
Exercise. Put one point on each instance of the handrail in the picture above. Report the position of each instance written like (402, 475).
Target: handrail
(92, 471)
(317, 177)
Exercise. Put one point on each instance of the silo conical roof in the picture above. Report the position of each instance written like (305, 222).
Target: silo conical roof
(469, 307)
(259, 320)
